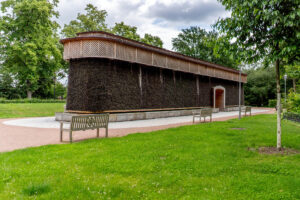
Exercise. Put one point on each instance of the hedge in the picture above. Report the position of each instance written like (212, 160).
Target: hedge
(32, 101)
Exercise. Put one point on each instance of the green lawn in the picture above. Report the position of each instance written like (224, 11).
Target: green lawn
(206, 161)
(15, 110)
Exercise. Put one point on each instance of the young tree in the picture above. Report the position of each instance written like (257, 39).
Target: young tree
(93, 20)
(29, 42)
(266, 30)
(199, 43)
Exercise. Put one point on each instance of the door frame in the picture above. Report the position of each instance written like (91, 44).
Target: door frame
(219, 87)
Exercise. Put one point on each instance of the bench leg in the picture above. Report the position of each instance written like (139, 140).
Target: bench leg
(61, 131)
(106, 132)
(193, 119)
(210, 119)
(97, 132)
(204, 119)
(71, 140)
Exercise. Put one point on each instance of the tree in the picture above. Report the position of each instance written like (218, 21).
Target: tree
(152, 40)
(93, 20)
(266, 30)
(127, 31)
(130, 32)
(60, 90)
(260, 87)
(198, 43)
(29, 42)
(9, 88)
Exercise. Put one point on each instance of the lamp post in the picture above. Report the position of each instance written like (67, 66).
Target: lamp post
(285, 78)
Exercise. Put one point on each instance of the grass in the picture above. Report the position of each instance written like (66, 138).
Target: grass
(15, 110)
(205, 161)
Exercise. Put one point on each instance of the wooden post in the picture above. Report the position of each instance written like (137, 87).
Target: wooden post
(106, 131)
(97, 132)
(61, 131)
(71, 136)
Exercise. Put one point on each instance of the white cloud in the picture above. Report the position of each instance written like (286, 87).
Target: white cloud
(164, 18)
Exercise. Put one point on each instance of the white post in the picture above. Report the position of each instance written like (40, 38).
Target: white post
(240, 93)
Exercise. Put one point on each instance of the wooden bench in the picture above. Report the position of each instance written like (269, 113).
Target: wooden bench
(207, 112)
(85, 122)
(246, 109)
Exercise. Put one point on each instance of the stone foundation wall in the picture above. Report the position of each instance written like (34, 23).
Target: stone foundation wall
(100, 84)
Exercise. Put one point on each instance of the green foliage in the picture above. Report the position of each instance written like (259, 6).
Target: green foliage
(198, 43)
(152, 40)
(29, 44)
(127, 31)
(260, 86)
(272, 103)
(264, 29)
(42, 109)
(9, 88)
(93, 20)
(293, 71)
(130, 32)
(204, 161)
(294, 102)
(60, 90)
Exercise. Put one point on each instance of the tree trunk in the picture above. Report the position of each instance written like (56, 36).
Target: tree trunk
(294, 85)
(29, 94)
(278, 105)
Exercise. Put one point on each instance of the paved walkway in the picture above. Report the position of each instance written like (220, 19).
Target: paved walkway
(31, 132)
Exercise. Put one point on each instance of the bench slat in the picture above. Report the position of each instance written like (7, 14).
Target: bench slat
(85, 122)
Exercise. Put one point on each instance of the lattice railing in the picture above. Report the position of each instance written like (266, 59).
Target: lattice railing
(101, 48)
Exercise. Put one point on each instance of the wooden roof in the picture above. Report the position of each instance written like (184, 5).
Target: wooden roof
(99, 44)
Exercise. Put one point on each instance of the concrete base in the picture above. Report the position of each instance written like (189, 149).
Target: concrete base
(233, 108)
(121, 117)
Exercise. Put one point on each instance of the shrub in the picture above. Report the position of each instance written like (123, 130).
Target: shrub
(294, 102)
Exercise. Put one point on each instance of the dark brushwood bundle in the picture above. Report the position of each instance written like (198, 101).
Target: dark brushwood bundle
(97, 85)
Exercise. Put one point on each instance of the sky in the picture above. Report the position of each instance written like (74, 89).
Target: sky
(163, 18)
